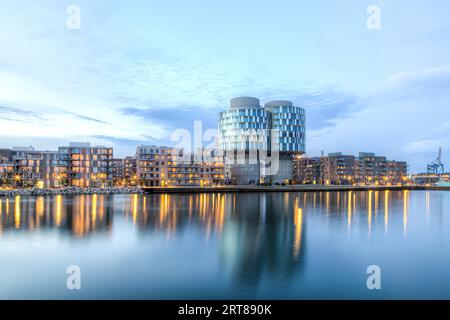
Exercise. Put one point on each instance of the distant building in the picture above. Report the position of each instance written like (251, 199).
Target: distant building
(129, 171)
(339, 169)
(151, 165)
(195, 170)
(370, 168)
(79, 164)
(429, 178)
(117, 172)
(396, 171)
(26, 167)
(89, 166)
(163, 166)
(249, 133)
(307, 170)
(6, 168)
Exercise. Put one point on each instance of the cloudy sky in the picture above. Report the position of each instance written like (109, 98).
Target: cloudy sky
(137, 70)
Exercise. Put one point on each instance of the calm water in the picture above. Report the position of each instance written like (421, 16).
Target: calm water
(269, 246)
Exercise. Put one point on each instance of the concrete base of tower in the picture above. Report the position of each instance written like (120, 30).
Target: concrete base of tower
(243, 174)
(285, 170)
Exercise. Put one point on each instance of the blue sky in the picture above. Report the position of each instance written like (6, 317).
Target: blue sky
(137, 70)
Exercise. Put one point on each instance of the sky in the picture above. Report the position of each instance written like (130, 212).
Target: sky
(136, 71)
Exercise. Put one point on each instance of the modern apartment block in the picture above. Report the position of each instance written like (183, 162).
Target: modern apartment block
(396, 171)
(129, 171)
(340, 169)
(27, 167)
(251, 136)
(151, 165)
(163, 166)
(370, 168)
(6, 167)
(307, 170)
(117, 171)
(194, 169)
(89, 166)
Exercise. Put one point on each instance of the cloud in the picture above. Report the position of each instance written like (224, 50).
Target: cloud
(118, 140)
(79, 116)
(19, 115)
(433, 78)
(174, 118)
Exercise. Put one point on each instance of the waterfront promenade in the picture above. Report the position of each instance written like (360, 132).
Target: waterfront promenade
(211, 189)
(290, 188)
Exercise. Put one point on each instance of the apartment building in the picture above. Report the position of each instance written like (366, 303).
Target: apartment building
(396, 171)
(203, 168)
(6, 167)
(370, 168)
(307, 170)
(151, 165)
(340, 169)
(88, 166)
(129, 171)
(26, 167)
(163, 166)
(117, 172)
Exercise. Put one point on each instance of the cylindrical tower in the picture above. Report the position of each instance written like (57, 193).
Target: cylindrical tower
(288, 128)
(243, 131)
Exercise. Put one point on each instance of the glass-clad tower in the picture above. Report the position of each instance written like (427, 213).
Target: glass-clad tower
(249, 132)
(244, 130)
(289, 121)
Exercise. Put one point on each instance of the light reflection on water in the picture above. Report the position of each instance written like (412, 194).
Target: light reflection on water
(255, 245)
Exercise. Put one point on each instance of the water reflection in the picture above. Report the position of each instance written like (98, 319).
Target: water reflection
(81, 215)
(251, 238)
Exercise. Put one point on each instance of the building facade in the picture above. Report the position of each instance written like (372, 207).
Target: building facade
(370, 168)
(117, 172)
(307, 170)
(163, 167)
(201, 169)
(88, 166)
(430, 178)
(129, 171)
(259, 143)
(340, 169)
(151, 165)
(396, 171)
(24, 167)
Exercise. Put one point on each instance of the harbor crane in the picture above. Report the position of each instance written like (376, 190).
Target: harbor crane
(436, 167)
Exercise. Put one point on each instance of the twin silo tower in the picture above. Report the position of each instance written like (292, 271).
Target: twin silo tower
(259, 143)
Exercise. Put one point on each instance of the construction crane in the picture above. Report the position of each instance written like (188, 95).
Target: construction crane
(436, 167)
